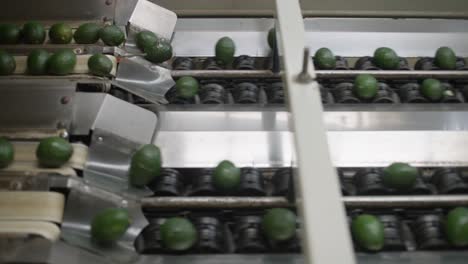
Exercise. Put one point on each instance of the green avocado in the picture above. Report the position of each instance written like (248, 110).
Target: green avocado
(325, 59)
(226, 176)
(445, 58)
(145, 165)
(225, 50)
(272, 38)
(456, 227)
(178, 234)
(100, 65)
(187, 87)
(37, 62)
(7, 63)
(53, 152)
(386, 58)
(110, 225)
(62, 62)
(7, 153)
(368, 232)
(87, 33)
(145, 39)
(432, 89)
(112, 35)
(60, 33)
(33, 33)
(279, 224)
(365, 86)
(158, 53)
(400, 176)
(10, 34)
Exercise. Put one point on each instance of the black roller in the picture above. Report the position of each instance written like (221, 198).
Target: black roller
(170, 183)
(392, 232)
(369, 182)
(172, 98)
(244, 62)
(275, 93)
(248, 235)
(211, 64)
(385, 95)
(365, 64)
(210, 235)
(427, 64)
(411, 93)
(183, 63)
(451, 95)
(246, 93)
(202, 184)
(251, 182)
(283, 184)
(343, 93)
(448, 181)
(212, 93)
(403, 65)
(149, 241)
(429, 233)
(341, 63)
(422, 188)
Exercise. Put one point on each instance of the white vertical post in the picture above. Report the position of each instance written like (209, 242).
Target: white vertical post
(326, 238)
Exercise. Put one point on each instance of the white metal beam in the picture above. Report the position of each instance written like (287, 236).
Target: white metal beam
(325, 236)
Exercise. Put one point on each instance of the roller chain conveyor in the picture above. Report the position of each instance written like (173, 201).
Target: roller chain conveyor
(277, 131)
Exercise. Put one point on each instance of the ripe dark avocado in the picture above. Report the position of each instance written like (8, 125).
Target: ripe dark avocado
(145, 39)
(109, 225)
(159, 53)
(386, 58)
(226, 176)
(432, 89)
(87, 33)
(272, 38)
(10, 34)
(400, 176)
(7, 63)
(145, 165)
(60, 33)
(325, 59)
(445, 58)
(225, 50)
(62, 62)
(187, 87)
(53, 152)
(112, 35)
(365, 86)
(178, 234)
(37, 62)
(456, 227)
(100, 65)
(368, 232)
(7, 153)
(279, 224)
(33, 33)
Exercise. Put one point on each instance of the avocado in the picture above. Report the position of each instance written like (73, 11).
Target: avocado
(33, 33)
(226, 176)
(178, 234)
(187, 87)
(272, 38)
(386, 58)
(62, 62)
(325, 59)
(145, 39)
(145, 165)
(158, 53)
(279, 224)
(100, 65)
(445, 58)
(87, 33)
(53, 152)
(368, 232)
(60, 33)
(112, 35)
(7, 153)
(7, 63)
(432, 89)
(37, 62)
(456, 227)
(225, 50)
(400, 176)
(10, 34)
(365, 86)
(109, 225)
